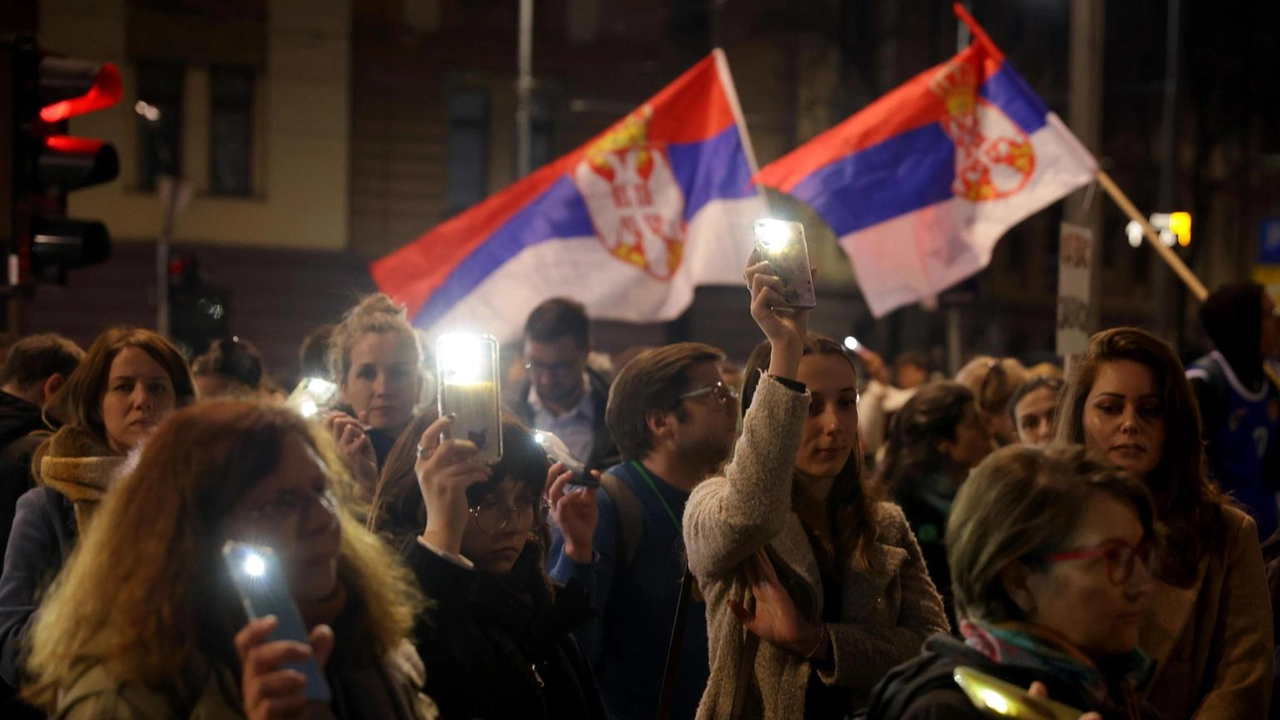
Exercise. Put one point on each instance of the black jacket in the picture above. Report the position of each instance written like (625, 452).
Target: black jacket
(18, 419)
(604, 451)
(925, 688)
(501, 647)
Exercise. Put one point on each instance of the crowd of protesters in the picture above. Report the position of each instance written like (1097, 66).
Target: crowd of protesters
(814, 534)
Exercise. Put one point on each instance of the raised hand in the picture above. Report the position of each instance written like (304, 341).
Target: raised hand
(270, 690)
(785, 328)
(445, 470)
(356, 449)
(574, 512)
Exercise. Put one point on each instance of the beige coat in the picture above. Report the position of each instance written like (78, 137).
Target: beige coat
(1213, 642)
(887, 611)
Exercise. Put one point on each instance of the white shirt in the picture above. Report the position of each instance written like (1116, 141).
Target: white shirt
(577, 427)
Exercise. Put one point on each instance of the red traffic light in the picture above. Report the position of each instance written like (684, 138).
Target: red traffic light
(75, 87)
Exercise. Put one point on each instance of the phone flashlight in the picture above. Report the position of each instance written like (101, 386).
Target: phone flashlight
(774, 234)
(463, 358)
(311, 395)
(558, 452)
(852, 343)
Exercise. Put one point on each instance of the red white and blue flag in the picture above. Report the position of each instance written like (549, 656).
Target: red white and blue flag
(627, 224)
(921, 184)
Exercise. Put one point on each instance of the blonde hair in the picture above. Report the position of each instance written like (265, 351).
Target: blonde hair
(169, 608)
(992, 381)
(376, 313)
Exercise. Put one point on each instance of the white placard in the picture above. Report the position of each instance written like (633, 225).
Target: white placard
(1075, 262)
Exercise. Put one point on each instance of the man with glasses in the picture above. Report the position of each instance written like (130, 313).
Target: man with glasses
(561, 394)
(675, 421)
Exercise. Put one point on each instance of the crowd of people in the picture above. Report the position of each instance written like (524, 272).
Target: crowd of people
(816, 534)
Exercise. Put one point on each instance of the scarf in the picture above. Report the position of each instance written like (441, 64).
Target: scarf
(80, 467)
(1032, 646)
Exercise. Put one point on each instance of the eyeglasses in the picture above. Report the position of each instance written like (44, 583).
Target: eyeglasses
(564, 367)
(493, 516)
(1121, 558)
(721, 392)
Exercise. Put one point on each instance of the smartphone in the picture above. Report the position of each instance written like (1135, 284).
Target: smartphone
(558, 452)
(1001, 699)
(312, 395)
(264, 590)
(467, 371)
(782, 244)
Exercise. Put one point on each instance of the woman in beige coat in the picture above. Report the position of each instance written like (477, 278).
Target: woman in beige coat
(1208, 626)
(814, 590)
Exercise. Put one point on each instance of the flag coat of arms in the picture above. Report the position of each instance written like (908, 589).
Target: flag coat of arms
(921, 184)
(627, 224)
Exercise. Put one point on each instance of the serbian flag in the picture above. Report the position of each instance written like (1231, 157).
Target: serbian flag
(921, 184)
(627, 224)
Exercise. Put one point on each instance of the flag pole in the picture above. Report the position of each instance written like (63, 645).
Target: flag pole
(1166, 253)
(1153, 238)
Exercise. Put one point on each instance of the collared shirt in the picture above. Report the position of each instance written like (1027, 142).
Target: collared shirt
(577, 428)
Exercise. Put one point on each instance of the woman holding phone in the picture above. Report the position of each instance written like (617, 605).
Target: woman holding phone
(497, 642)
(130, 380)
(165, 635)
(829, 584)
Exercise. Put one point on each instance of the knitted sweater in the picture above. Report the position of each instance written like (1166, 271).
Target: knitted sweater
(887, 609)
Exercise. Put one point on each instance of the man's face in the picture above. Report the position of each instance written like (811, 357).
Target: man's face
(705, 426)
(555, 368)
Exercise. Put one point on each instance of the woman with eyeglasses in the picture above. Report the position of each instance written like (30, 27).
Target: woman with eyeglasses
(496, 641)
(814, 589)
(1051, 562)
(1209, 625)
(145, 622)
(934, 441)
(992, 382)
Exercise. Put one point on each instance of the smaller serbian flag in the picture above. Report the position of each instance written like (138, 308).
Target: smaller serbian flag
(627, 224)
(921, 184)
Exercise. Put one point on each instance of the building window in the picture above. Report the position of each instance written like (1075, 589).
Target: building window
(230, 131)
(468, 147)
(159, 113)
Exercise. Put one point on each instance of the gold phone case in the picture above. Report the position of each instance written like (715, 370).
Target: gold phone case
(998, 698)
(467, 366)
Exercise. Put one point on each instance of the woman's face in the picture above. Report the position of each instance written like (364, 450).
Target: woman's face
(1123, 416)
(384, 380)
(1034, 416)
(292, 512)
(500, 525)
(830, 432)
(1095, 602)
(138, 397)
(972, 442)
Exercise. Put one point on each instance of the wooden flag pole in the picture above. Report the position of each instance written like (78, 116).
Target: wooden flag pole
(1153, 238)
(1166, 253)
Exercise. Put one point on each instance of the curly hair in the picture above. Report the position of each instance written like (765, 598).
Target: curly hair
(170, 607)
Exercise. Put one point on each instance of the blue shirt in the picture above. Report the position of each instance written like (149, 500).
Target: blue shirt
(627, 640)
(576, 428)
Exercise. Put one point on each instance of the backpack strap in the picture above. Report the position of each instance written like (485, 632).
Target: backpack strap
(630, 515)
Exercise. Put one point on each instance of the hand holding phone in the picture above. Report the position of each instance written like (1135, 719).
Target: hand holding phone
(998, 698)
(575, 513)
(275, 642)
(782, 245)
(269, 688)
(445, 469)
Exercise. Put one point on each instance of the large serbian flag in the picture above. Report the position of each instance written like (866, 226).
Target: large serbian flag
(628, 224)
(921, 184)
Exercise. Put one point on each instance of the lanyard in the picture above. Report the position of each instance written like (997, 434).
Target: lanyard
(654, 487)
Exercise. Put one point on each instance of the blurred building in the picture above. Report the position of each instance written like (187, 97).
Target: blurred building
(320, 134)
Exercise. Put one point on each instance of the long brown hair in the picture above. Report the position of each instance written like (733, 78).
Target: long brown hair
(79, 401)
(850, 502)
(1187, 500)
(146, 593)
(911, 451)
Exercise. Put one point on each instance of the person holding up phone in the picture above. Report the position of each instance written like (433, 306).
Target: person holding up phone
(789, 545)
(147, 620)
(1050, 553)
(497, 641)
